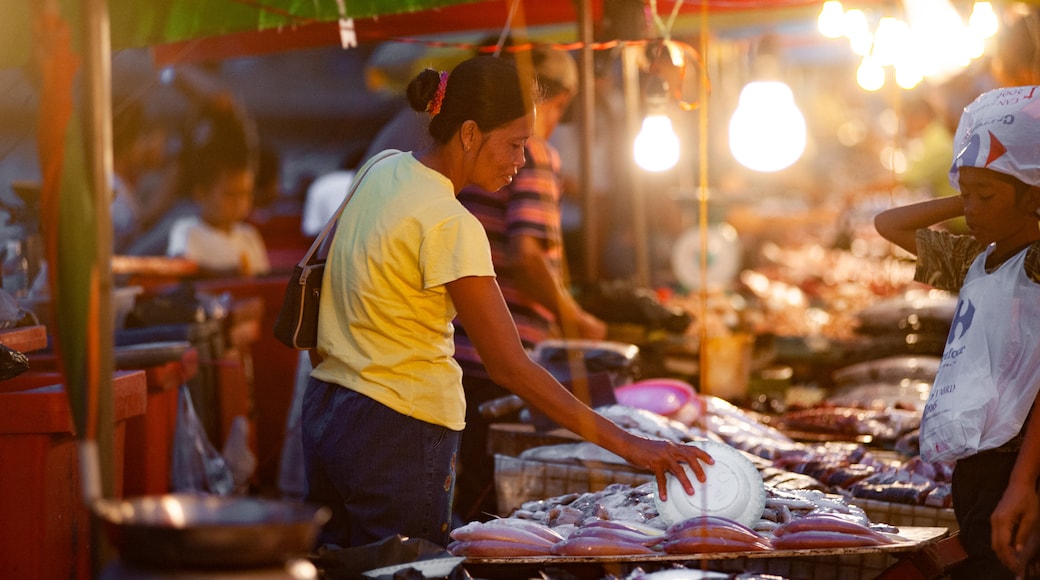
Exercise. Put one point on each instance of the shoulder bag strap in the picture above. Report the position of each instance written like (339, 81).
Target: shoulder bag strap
(330, 226)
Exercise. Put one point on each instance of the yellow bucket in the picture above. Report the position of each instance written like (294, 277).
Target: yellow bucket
(727, 366)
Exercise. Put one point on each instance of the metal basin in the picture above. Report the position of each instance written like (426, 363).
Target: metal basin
(211, 532)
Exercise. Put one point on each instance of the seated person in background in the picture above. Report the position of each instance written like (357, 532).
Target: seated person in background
(325, 195)
(522, 222)
(219, 240)
(216, 122)
(138, 147)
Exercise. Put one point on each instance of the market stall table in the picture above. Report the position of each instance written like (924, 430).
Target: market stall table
(854, 563)
(149, 442)
(45, 522)
(25, 338)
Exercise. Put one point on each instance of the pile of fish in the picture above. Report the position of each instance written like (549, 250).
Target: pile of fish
(622, 520)
(680, 572)
(855, 471)
(786, 506)
(884, 424)
(825, 531)
(847, 468)
(840, 467)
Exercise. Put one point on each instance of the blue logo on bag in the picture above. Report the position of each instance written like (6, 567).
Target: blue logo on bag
(962, 319)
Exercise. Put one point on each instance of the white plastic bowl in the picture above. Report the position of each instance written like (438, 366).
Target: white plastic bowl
(733, 489)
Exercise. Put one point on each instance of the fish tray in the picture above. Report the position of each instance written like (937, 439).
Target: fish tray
(901, 514)
(853, 563)
(520, 480)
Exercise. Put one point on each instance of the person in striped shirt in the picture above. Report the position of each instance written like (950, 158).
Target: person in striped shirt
(522, 221)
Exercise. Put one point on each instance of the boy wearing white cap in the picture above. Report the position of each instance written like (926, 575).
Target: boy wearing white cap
(979, 411)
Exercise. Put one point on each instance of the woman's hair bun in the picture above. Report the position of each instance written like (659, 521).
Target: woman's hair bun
(423, 88)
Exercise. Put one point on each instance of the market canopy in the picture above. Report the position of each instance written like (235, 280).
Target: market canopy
(136, 23)
(224, 28)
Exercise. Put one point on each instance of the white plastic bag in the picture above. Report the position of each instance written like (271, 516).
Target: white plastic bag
(239, 457)
(197, 466)
(990, 371)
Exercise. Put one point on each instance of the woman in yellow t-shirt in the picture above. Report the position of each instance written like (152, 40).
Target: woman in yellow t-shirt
(384, 408)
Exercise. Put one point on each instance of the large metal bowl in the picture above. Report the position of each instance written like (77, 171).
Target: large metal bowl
(210, 532)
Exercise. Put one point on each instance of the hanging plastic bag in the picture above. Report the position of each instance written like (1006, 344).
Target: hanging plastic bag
(238, 456)
(990, 372)
(197, 466)
(12, 314)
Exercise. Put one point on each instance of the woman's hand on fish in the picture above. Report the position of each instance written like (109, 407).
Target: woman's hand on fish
(662, 457)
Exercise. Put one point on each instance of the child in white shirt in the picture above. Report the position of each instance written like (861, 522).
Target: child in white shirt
(218, 239)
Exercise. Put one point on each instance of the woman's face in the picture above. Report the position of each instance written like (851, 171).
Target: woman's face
(500, 153)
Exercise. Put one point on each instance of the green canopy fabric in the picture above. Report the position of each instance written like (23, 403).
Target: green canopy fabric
(136, 23)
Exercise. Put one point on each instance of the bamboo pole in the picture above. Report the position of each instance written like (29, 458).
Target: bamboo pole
(97, 458)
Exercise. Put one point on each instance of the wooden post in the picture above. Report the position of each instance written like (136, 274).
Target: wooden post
(97, 131)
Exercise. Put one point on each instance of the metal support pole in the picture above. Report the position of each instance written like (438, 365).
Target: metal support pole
(633, 123)
(587, 89)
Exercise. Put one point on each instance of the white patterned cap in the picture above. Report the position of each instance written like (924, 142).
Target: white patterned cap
(1000, 130)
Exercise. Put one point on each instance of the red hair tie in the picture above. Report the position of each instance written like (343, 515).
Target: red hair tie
(434, 106)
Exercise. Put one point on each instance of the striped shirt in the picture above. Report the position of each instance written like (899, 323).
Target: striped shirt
(943, 259)
(529, 206)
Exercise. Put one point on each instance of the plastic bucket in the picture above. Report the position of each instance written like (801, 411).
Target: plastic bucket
(727, 366)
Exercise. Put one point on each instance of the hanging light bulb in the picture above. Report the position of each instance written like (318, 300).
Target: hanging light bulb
(870, 75)
(983, 21)
(891, 40)
(908, 73)
(657, 145)
(941, 38)
(767, 131)
(831, 20)
(656, 148)
(855, 28)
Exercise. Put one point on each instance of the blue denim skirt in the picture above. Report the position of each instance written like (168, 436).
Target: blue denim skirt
(380, 472)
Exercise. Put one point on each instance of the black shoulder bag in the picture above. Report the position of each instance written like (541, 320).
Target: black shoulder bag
(297, 322)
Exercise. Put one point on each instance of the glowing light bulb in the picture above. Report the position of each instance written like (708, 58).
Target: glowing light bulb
(891, 40)
(855, 28)
(942, 42)
(656, 147)
(983, 21)
(767, 131)
(908, 74)
(831, 21)
(870, 75)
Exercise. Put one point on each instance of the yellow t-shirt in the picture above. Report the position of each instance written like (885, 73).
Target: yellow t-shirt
(385, 328)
